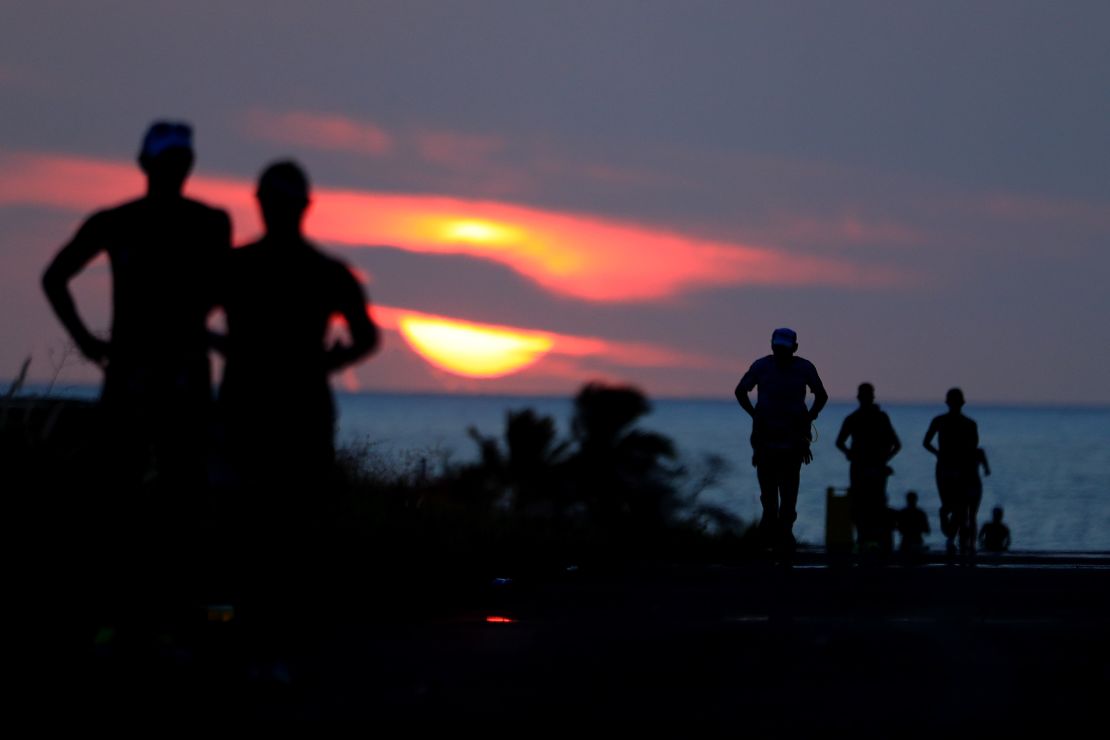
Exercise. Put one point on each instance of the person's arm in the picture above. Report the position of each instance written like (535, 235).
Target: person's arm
(820, 397)
(743, 388)
(71, 260)
(982, 455)
(355, 310)
(1005, 538)
(842, 438)
(929, 435)
(895, 443)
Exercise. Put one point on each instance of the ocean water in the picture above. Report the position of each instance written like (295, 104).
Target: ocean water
(1051, 466)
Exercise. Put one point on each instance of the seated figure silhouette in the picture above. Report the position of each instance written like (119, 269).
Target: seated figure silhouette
(912, 524)
(959, 458)
(995, 536)
(874, 443)
(279, 295)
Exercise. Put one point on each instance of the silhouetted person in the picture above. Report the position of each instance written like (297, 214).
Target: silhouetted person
(163, 250)
(958, 460)
(140, 525)
(995, 536)
(780, 429)
(874, 443)
(913, 525)
(279, 295)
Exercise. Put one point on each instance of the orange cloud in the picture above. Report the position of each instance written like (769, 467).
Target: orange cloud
(575, 255)
(324, 131)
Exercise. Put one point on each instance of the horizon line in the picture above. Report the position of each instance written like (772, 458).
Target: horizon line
(53, 390)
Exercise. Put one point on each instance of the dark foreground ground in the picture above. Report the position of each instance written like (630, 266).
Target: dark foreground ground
(1018, 645)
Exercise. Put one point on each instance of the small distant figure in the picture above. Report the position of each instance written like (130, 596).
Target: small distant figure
(995, 536)
(279, 295)
(873, 444)
(163, 250)
(913, 525)
(959, 459)
(781, 430)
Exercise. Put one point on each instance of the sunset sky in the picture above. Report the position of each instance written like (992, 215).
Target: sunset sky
(537, 194)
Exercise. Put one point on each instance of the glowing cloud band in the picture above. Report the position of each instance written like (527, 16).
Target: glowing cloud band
(576, 255)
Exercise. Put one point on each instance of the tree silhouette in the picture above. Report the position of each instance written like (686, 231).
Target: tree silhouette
(622, 473)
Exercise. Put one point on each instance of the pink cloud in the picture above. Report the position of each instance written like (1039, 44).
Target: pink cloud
(605, 174)
(325, 131)
(846, 228)
(1028, 209)
(453, 151)
(456, 150)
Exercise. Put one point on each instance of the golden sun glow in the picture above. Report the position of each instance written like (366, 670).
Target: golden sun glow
(473, 231)
(471, 350)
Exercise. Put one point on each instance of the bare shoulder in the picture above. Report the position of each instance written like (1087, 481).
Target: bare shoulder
(213, 217)
(762, 362)
(806, 364)
(337, 269)
(122, 213)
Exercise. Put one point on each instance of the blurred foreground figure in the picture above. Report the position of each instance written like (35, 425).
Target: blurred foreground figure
(874, 443)
(141, 495)
(780, 430)
(163, 250)
(959, 458)
(280, 295)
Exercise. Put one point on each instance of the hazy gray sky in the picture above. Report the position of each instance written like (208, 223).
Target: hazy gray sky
(921, 190)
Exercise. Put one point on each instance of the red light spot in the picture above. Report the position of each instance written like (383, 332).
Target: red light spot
(500, 620)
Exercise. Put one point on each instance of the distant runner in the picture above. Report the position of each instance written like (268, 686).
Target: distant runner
(958, 461)
(781, 430)
(874, 443)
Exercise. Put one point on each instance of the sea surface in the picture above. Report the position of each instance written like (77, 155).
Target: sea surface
(1051, 466)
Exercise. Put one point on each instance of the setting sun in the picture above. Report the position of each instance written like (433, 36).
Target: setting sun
(472, 350)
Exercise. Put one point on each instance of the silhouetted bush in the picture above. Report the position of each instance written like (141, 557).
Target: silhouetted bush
(610, 491)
